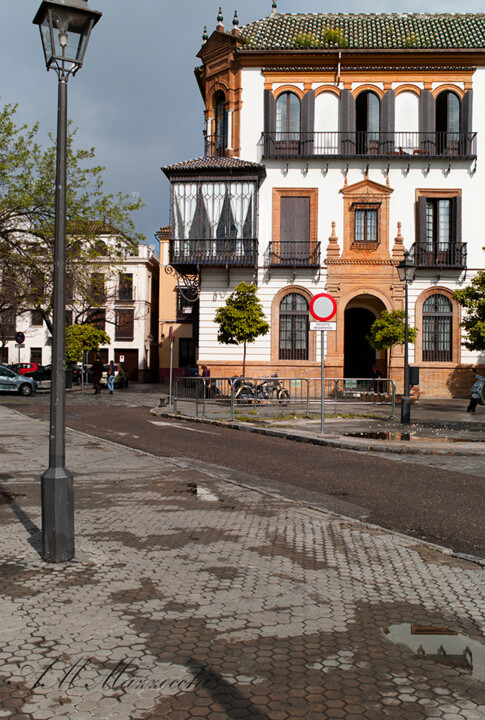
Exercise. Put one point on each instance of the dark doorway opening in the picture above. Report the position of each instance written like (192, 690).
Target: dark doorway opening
(358, 354)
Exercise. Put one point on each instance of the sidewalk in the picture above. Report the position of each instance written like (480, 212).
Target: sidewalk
(194, 598)
(438, 427)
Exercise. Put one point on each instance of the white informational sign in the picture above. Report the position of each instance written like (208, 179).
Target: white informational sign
(122, 358)
(323, 326)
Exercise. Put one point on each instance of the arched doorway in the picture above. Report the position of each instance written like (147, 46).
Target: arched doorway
(359, 357)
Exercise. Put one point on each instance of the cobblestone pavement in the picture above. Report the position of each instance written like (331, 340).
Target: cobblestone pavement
(194, 598)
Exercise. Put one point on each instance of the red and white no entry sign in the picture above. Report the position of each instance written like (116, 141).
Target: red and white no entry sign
(323, 307)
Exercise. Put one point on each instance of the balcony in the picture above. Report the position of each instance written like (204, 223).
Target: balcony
(440, 255)
(294, 254)
(384, 145)
(214, 253)
(215, 145)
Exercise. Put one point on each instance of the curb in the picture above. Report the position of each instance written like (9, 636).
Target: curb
(325, 442)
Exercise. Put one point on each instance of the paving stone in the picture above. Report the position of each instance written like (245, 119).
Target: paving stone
(256, 608)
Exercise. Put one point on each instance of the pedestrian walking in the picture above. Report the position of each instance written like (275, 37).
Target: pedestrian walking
(111, 377)
(97, 369)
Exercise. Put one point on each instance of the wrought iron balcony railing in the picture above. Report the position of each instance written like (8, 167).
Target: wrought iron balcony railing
(370, 144)
(440, 255)
(294, 254)
(214, 252)
(215, 145)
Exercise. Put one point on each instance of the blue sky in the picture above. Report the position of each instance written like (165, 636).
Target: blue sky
(136, 99)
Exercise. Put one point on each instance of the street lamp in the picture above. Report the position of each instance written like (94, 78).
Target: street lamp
(406, 270)
(65, 26)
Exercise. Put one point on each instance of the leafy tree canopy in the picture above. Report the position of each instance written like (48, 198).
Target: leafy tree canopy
(83, 337)
(388, 330)
(241, 319)
(27, 214)
(473, 299)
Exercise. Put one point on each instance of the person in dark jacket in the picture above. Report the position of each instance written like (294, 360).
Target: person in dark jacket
(97, 369)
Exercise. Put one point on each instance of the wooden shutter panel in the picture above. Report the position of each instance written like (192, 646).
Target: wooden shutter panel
(347, 123)
(466, 122)
(421, 244)
(307, 122)
(456, 220)
(294, 228)
(427, 122)
(387, 121)
(269, 122)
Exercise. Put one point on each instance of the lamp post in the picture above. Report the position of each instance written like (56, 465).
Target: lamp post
(65, 26)
(406, 270)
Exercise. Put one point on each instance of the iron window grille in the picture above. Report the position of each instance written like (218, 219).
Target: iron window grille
(437, 329)
(366, 224)
(293, 340)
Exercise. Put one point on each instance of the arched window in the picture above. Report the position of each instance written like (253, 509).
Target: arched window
(367, 122)
(293, 341)
(437, 329)
(448, 123)
(220, 135)
(288, 123)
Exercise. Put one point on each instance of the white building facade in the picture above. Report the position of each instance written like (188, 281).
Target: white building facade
(128, 313)
(333, 144)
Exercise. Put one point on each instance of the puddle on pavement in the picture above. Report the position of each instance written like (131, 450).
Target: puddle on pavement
(407, 437)
(441, 645)
(7, 497)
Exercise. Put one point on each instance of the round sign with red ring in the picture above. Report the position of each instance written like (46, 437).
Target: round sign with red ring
(19, 338)
(323, 307)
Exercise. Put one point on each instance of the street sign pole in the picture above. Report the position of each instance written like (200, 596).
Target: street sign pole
(171, 366)
(322, 410)
(323, 308)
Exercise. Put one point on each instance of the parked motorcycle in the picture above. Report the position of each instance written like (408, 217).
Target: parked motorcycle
(477, 393)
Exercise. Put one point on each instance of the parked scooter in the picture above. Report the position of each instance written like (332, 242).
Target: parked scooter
(477, 394)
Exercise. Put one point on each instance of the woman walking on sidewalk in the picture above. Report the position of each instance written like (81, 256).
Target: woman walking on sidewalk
(111, 377)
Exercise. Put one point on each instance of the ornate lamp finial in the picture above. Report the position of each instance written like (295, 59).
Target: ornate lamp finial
(205, 36)
(235, 19)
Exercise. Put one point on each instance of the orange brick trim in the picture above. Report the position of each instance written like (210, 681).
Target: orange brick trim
(327, 88)
(448, 86)
(288, 88)
(363, 88)
(456, 336)
(275, 327)
(437, 192)
(407, 88)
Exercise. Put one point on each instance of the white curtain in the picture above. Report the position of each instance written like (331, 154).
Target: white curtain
(184, 203)
(240, 196)
(214, 194)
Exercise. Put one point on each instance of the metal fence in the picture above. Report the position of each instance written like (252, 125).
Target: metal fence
(272, 397)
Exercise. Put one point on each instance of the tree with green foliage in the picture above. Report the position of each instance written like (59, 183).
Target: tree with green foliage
(241, 319)
(473, 299)
(27, 214)
(389, 330)
(81, 338)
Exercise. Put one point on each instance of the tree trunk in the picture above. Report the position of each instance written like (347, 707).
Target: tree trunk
(244, 360)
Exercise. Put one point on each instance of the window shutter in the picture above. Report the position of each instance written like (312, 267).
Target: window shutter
(307, 122)
(294, 227)
(347, 123)
(456, 220)
(422, 240)
(427, 122)
(466, 121)
(387, 121)
(269, 122)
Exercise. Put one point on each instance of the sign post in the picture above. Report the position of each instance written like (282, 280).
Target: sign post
(323, 307)
(170, 337)
(20, 338)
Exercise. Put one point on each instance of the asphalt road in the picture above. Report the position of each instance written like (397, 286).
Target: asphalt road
(427, 502)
